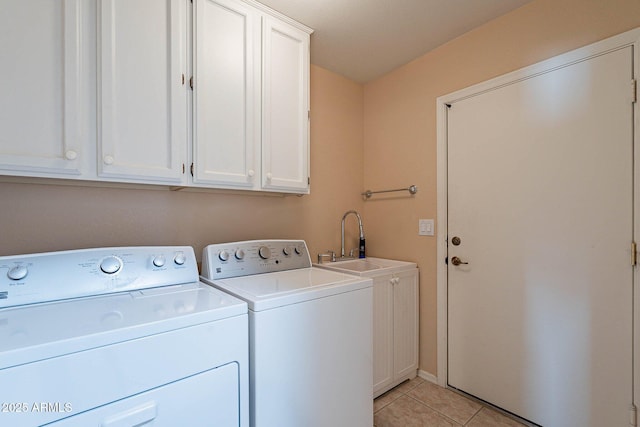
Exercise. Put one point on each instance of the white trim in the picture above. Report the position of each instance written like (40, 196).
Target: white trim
(427, 376)
(441, 248)
(628, 38)
(636, 232)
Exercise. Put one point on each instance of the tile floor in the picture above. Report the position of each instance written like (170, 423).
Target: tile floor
(419, 403)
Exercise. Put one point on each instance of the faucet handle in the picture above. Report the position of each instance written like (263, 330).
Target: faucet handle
(351, 252)
(321, 258)
(330, 255)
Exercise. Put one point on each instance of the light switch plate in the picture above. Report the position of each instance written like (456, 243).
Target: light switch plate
(425, 227)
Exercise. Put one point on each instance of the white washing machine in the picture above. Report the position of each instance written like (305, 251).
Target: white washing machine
(119, 337)
(310, 334)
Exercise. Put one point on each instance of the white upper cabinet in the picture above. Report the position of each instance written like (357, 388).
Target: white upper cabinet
(142, 117)
(251, 98)
(226, 112)
(40, 89)
(285, 107)
(213, 93)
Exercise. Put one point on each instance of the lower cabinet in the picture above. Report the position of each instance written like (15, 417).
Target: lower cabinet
(395, 329)
(395, 317)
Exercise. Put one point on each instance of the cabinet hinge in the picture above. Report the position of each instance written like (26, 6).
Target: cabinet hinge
(634, 254)
(183, 80)
(308, 114)
(308, 180)
(191, 169)
(183, 168)
(634, 91)
(633, 416)
(191, 82)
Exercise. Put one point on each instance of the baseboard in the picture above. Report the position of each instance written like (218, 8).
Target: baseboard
(427, 376)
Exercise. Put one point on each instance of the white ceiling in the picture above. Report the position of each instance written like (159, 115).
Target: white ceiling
(364, 39)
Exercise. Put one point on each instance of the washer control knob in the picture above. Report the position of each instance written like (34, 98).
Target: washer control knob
(286, 250)
(111, 265)
(239, 254)
(299, 250)
(264, 252)
(180, 259)
(159, 261)
(223, 255)
(18, 272)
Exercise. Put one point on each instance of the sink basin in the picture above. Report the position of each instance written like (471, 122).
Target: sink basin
(356, 265)
(370, 267)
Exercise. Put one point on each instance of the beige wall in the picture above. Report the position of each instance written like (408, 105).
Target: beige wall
(37, 218)
(400, 120)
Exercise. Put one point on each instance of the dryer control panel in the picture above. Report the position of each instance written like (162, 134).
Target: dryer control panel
(51, 276)
(223, 260)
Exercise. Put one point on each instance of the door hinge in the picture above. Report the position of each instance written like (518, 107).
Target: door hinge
(634, 254)
(308, 114)
(308, 180)
(191, 82)
(634, 91)
(183, 168)
(191, 169)
(183, 80)
(633, 416)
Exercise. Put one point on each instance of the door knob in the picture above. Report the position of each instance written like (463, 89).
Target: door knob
(457, 261)
(456, 241)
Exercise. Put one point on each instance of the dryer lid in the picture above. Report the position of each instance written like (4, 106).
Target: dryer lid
(35, 332)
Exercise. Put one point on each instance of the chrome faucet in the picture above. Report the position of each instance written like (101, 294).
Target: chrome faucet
(342, 255)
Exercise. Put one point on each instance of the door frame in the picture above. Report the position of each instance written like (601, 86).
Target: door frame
(629, 38)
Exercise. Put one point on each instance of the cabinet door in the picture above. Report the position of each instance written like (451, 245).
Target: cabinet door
(142, 97)
(405, 323)
(285, 108)
(40, 88)
(382, 334)
(226, 93)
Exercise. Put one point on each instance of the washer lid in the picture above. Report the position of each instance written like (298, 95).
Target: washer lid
(271, 290)
(39, 331)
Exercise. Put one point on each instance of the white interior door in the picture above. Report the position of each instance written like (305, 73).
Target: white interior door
(540, 194)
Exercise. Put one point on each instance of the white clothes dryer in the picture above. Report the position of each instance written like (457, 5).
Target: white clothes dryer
(118, 337)
(310, 334)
